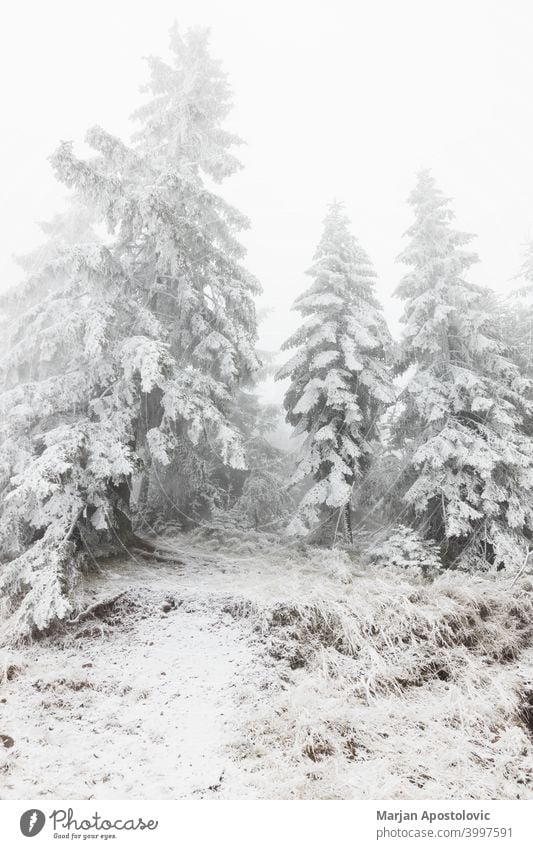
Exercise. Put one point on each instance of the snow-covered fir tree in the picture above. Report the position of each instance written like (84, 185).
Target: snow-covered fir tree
(339, 379)
(516, 316)
(468, 472)
(124, 348)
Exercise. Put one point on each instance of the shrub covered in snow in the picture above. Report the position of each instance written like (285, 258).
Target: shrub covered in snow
(405, 548)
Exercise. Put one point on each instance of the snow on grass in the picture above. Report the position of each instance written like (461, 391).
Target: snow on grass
(262, 672)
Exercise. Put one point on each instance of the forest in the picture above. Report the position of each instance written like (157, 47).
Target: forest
(378, 564)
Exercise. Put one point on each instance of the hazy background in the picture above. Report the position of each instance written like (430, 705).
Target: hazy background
(334, 98)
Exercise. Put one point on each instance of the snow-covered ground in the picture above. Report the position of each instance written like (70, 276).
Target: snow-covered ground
(268, 673)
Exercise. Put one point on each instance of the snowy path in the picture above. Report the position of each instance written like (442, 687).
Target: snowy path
(146, 714)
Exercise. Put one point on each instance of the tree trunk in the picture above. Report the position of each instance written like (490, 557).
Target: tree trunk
(122, 513)
(348, 521)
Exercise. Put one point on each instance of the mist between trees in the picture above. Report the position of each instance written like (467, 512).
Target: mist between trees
(129, 373)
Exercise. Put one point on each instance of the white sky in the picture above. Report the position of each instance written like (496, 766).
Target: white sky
(333, 97)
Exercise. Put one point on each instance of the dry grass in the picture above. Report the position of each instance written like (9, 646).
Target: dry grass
(395, 688)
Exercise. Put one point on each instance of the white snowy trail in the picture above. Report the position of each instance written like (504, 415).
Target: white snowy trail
(144, 713)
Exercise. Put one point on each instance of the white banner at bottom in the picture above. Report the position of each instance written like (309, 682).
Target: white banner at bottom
(258, 824)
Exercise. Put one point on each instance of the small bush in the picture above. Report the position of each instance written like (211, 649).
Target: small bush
(406, 549)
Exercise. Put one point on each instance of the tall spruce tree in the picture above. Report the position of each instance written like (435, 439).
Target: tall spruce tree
(339, 380)
(468, 472)
(126, 349)
(516, 317)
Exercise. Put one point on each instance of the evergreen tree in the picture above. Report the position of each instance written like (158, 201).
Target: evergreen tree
(126, 349)
(516, 317)
(339, 382)
(468, 471)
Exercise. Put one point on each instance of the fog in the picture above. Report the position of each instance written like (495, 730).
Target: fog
(334, 99)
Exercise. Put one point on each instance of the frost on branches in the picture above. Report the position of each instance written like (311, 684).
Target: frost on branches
(516, 317)
(468, 474)
(124, 349)
(339, 383)
(404, 548)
